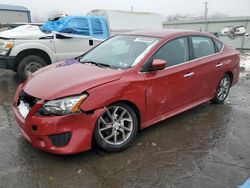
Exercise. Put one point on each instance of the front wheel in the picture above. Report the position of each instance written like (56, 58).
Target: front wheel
(29, 65)
(222, 90)
(116, 127)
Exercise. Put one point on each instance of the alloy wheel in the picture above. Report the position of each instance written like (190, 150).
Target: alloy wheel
(223, 88)
(115, 125)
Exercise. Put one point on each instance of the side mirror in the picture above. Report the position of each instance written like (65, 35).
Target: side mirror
(159, 64)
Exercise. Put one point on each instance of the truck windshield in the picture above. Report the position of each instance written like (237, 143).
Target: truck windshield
(120, 52)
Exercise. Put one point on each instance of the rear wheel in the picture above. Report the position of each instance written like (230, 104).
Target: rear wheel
(116, 127)
(222, 90)
(29, 65)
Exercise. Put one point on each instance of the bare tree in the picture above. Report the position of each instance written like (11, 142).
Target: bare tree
(180, 17)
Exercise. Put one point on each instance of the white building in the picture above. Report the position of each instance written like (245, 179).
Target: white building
(14, 14)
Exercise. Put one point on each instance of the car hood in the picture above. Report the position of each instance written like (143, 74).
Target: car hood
(23, 32)
(68, 78)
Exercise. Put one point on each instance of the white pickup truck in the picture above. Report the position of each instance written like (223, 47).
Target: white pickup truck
(27, 48)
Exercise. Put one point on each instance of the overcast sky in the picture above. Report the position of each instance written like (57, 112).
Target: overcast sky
(164, 7)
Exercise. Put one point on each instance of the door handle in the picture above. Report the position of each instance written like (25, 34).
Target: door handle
(219, 65)
(188, 75)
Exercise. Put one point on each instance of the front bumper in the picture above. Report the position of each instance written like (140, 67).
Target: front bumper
(7, 62)
(67, 134)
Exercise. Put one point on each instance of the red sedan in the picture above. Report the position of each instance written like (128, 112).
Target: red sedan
(125, 84)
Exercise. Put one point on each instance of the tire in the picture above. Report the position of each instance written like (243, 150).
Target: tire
(29, 65)
(222, 90)
(116, 127)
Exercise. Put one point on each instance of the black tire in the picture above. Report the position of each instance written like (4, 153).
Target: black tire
(222, 91)
(23, 67)
(98, 135)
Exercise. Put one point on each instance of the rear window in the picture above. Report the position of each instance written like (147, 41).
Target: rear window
(203, 46)
(96, 26)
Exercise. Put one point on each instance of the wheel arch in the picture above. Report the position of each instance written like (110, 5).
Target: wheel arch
(230, 74)
(33, 51)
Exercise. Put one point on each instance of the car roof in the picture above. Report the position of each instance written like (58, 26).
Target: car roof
(161, 33)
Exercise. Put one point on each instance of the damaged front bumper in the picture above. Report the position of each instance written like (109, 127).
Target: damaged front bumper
(66, 134)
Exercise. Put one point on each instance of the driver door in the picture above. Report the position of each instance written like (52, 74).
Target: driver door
(169, 90)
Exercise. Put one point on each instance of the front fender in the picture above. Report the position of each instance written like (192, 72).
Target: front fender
(44, 45)
(120, 90)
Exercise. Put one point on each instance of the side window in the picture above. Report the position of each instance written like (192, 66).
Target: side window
(203, 46)
(174, 52)
(96, 26)
(218, 45)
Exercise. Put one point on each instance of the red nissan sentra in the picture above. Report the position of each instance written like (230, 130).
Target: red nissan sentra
(125, 84)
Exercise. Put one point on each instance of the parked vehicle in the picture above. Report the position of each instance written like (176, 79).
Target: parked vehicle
(233, 31)
(27, 48)
(123, 85)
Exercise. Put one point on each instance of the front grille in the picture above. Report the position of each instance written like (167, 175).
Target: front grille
(27, 99)
(60, 140)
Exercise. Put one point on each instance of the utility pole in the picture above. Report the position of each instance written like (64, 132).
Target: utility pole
(132, 9)
(205, 15)
(206, 10)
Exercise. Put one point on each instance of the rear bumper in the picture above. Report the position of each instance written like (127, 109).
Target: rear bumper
(7, 62)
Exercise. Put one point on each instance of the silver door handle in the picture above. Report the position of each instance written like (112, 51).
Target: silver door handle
(188, 75)
(219, 65)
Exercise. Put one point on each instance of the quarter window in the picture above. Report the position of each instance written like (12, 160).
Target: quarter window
(203, 46)
(174, 52)
(218, 45)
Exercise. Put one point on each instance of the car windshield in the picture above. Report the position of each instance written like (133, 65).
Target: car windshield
(120, 52)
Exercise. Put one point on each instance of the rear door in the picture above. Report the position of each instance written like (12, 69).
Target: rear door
(169, 89)
(207, 65)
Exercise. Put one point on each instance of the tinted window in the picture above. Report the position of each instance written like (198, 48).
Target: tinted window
(218, 45)
(203, 46)
(174, 52)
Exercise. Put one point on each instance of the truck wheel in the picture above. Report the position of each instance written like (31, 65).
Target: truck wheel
(29, 65)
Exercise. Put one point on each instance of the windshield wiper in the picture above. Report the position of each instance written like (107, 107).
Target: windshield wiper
(97, 64)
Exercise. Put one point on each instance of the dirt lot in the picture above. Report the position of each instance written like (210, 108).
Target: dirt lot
(208, 146)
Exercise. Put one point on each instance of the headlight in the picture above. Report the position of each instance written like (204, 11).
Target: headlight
(62, 106)
(5, 46)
